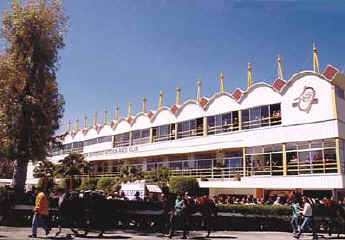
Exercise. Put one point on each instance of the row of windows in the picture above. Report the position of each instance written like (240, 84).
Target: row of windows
(303, 158)
(261, 116)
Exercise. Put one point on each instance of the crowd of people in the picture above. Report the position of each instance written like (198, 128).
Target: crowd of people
(174, 213)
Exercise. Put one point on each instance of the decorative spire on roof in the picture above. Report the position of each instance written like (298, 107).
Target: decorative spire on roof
(280, 69)
(76, 126)
(95, 119)
(222, 87)
(68, 126)
(315, 59)
(105, 117)
(85, 122)
(198, 94)
(144, 104)
(117, 108)
(178, 96)
(250, 75)
(160, 104)
(130, 107)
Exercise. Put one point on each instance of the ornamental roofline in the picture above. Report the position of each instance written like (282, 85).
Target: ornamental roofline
(330, 74)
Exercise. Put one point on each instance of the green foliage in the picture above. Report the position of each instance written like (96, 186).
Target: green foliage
(62, 184)
(31, 106)
(88, 184)
(105, 184)
(49, 183)
(6, 169)
(156, 175)
(73, 164)
(44, 168)
(266, 210)
(180, 185)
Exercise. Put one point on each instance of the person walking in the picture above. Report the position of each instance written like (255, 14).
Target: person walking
(308, 219)
(295, 215)
(41, 213)
(178, 217)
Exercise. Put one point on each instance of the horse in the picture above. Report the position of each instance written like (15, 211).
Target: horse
(203, 205)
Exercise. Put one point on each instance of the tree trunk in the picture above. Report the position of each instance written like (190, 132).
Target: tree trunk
(19, 177)
(45, 183)
(71, 183)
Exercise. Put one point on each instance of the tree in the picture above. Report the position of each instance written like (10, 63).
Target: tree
(105, 184)
(180, 185)
(73, 164)
(6, 169)
(30, 103)
(89, 183)
(45, 170)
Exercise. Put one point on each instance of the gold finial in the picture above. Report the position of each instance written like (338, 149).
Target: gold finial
(198, 95)
(250, 75)
(68, 126)
(316, 59)
(129, 109)
(178, 96)
(85, 122)
(76, 126)
(95, 119)
(222, 87)
(144, 104)
(280, 69)
(105, 117)
(160, 99)
(117, 108)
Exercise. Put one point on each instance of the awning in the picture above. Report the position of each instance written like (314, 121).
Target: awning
(154, 188)
(31, 181)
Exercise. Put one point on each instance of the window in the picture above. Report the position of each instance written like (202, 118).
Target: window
(275, 114)
(265, 160)
(140, 136)
(164, 133)
(222, 123)
(316, 157)
(121, 140)
(190, 128)
(90, 142)
(104, 139)
(261, 116)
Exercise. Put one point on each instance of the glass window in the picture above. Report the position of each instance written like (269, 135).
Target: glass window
(121, 140)
(275, 114)
(176, 165)
(235, 120)
(304, 162)
(329, 143)
(255, 117)
(226, 122)
(277, 163)
(145, 133)
(245, 118)
(265, 116)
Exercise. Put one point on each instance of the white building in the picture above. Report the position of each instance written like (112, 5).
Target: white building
(289, 136)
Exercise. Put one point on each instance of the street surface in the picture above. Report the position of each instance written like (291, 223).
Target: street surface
(15, 233)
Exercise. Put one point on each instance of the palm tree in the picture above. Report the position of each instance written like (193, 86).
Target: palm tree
(45, 170)
(73, 164)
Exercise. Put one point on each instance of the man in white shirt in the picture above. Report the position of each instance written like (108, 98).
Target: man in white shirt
(308, 218)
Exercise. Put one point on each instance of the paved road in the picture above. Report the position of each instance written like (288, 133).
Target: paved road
(13, 233)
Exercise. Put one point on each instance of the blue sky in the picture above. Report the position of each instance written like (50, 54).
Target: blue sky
(122, 50)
